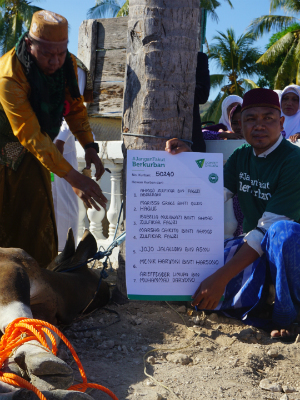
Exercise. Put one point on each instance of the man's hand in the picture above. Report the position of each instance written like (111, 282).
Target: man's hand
(60, 145)
(210, 291)
(86, 189)
(176, 146)
(91, 157)
(294, 138)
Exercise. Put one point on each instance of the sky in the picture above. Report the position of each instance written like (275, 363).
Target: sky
(238, 18)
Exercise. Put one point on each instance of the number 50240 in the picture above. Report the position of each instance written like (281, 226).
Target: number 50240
(164, 173)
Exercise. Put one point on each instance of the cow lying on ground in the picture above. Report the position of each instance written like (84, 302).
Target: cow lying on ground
(28, 291)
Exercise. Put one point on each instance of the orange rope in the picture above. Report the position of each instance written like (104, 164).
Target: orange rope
(23, 330)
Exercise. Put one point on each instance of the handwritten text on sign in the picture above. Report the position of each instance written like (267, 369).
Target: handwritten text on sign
(174, 222)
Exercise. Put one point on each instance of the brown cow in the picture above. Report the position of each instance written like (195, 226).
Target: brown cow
(51, 295)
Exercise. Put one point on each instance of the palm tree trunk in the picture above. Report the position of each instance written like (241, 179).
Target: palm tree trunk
(161, 63)
(163, 40)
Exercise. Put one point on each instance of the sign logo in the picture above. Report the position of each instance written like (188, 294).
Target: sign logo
(211, 164)
(213, 178)
(200, 163)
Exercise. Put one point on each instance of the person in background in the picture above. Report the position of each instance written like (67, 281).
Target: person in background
(235, 131)
(201, 96)
(38, 86)
(227, 105)
(290, 109)
(64, 199)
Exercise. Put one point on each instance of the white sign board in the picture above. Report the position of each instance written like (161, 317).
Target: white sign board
(174, 223)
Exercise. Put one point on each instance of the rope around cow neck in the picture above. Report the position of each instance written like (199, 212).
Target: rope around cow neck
(23, 330)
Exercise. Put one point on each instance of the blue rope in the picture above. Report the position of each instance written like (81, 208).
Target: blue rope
(100, 254)
(116, 230)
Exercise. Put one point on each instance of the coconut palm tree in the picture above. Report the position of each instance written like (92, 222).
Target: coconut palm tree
(114, 8)
(287, 47)
(15, 19)
(270, 69)
(236, 58)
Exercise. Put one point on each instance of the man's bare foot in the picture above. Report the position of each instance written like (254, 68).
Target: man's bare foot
(288, 334)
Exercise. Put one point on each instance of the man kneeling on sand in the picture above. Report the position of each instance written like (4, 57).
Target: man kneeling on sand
(265, 174)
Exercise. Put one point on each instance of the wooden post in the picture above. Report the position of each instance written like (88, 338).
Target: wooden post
(163, 40)
(110, 59)
(87, 44)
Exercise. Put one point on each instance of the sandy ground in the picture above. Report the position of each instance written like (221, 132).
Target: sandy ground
(192, 355)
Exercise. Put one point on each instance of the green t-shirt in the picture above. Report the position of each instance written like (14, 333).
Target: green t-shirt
(270, 183)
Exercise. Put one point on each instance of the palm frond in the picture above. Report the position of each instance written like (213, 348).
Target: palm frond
(288, 68)
(229, 2)
(297, 56)
(264, 24)
(211, 5)
(17, 25)
(298, 74)
(124, 9)
(282, 45)
(274, 4)
(6, 33)
(27, 11)
(287, 5)
(15, 17)
(249, 84)
(217, 80)
(103, 8)
(208, 115)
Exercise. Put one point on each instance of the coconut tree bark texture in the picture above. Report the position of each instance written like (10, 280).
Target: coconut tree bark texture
(161, 63)
(163, 41)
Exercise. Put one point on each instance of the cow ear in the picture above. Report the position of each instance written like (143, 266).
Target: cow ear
(67, 253)
(86, 249)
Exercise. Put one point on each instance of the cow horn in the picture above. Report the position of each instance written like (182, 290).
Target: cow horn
(66, 254)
